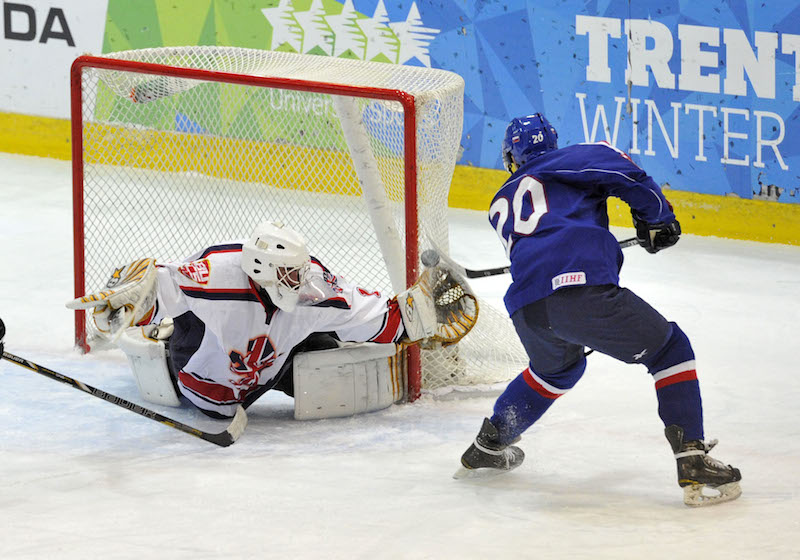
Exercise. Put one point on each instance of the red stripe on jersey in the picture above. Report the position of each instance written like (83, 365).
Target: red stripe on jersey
(147, 318)
(538, 387)
(208, 390)
(239, 250)
(688, 375)
(392, 324)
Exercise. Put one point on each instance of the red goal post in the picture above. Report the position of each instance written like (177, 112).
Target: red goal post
(237, 136)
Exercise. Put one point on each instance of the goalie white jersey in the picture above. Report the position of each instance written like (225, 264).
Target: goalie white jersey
(231, 341)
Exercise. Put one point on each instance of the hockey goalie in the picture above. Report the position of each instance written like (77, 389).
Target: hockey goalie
(233, 321)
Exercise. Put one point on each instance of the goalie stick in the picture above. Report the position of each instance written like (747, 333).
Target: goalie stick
(223, 439)
(482, 273)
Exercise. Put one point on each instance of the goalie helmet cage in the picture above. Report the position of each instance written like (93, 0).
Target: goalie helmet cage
(178, 148)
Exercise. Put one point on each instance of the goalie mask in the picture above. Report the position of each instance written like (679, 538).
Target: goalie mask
(527, 138)
(276, 258)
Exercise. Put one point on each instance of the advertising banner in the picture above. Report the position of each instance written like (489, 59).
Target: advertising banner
(39, 39)
(703, 95)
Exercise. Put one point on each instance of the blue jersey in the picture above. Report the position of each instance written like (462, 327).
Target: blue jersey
(551, 217)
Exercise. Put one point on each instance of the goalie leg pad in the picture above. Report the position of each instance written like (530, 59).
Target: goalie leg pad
(344, 381)
(148, 360)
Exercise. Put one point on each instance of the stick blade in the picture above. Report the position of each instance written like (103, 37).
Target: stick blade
(234, 430)
(238, 424)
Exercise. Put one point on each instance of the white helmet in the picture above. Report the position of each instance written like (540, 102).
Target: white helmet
(276, 258)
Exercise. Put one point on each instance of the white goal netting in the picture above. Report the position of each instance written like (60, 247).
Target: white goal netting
(173, 162)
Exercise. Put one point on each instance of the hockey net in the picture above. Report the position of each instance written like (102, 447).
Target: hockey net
(179, 148)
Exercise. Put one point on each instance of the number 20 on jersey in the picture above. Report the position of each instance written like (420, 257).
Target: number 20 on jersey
(521, 214)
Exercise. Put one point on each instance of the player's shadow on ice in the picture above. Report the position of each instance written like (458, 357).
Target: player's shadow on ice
(603, 491)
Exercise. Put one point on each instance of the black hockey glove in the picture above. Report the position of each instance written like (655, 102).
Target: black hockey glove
(2, 335)
(654, 237)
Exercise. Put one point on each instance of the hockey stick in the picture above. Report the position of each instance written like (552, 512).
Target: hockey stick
(482, 273)
(628, 243)
(223, 439)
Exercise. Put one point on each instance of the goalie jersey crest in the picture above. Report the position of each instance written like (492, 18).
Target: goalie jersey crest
(196, 271)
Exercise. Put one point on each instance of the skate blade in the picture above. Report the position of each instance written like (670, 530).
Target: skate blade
(694, 496)
(464, 473)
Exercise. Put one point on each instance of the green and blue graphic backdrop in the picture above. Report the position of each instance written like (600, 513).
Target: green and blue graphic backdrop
(520, 56)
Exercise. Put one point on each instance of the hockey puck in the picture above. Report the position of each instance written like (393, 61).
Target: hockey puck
(430, 258)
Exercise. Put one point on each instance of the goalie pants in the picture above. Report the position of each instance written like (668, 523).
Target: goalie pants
(555, 332)
(186, 338)
(284, 382)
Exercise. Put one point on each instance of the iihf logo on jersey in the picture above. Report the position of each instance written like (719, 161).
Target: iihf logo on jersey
(196, 271)
(569, 279)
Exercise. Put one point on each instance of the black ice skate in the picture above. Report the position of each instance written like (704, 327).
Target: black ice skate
(697, 470)
(487, 456)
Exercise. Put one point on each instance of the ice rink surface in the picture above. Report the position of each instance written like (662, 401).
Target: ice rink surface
(83, 479)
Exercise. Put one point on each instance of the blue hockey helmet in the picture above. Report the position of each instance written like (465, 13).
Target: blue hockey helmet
(527, 138)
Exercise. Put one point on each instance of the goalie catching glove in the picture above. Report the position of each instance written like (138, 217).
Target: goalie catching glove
(128, 299)
(440, 307)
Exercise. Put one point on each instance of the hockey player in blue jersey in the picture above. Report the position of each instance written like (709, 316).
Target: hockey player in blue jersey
(552, 219)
